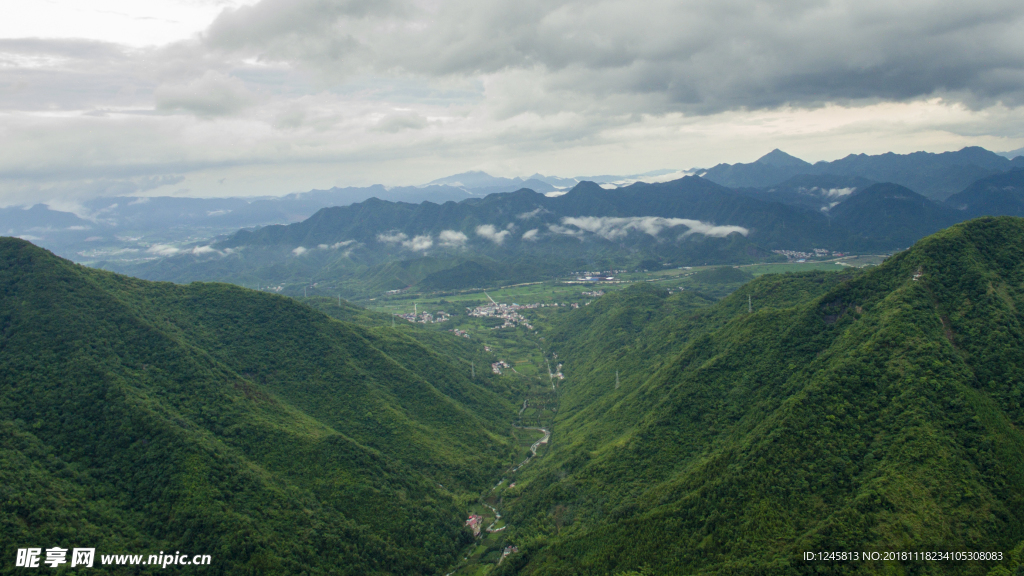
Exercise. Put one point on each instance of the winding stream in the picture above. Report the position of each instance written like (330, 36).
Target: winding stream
(533, 449)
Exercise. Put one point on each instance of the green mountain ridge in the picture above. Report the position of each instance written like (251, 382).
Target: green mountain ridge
(210, 419)
(853, 411)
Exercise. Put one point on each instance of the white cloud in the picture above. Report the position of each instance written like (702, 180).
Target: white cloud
(555, 228)
(334, 246)
(392, 237)
(451, 238)
(531, 214)
(418, 243)
(139, 24)
(705, 229)
(674, 175)
(616, 228)
(163, 250)
(648, 57)
(286, 95)
(491, 233)
(200, 250)
(838, 192)
(399, 121)
(531, 235)
(299, 251)
(70, 205)
(213, 94)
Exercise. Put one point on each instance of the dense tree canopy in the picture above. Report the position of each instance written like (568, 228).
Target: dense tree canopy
(137, 417)
(876, 410)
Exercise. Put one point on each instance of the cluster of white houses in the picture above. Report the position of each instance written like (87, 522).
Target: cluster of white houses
(508, 312)
(815, 253)
(426, 317)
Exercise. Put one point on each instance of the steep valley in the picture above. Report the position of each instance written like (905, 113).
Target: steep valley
(864, 410)
(704, 424)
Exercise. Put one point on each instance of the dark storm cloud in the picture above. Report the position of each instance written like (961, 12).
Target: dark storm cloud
(288, 94)
(613, 57)
(698, 57)
(297, 28)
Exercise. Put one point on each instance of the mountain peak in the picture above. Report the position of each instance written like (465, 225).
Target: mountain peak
(780, 159)
(471, 179)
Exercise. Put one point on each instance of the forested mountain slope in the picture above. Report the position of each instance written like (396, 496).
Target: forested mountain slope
(893, 215)
(878, 410)
(818, 192)
(137, 417)
(999, 195)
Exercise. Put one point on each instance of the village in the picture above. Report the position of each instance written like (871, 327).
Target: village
(798, 256)
(508, 312)
(513, 354)
(426, 317)
(522, 358)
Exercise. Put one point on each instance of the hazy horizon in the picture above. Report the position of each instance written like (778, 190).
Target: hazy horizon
(217, 98)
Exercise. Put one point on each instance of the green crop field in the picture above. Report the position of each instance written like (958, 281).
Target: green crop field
(568, 291)
(829, 265)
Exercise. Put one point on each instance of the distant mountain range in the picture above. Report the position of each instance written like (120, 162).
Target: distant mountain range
(936, 176)
(479, 182)
(516, 237)
(999, 194)
(128, 228)
(375, 246)
(778, 202)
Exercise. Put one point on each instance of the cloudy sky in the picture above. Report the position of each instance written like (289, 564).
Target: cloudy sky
(244, 97)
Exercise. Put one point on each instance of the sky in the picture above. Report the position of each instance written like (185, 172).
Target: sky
(269, 97)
